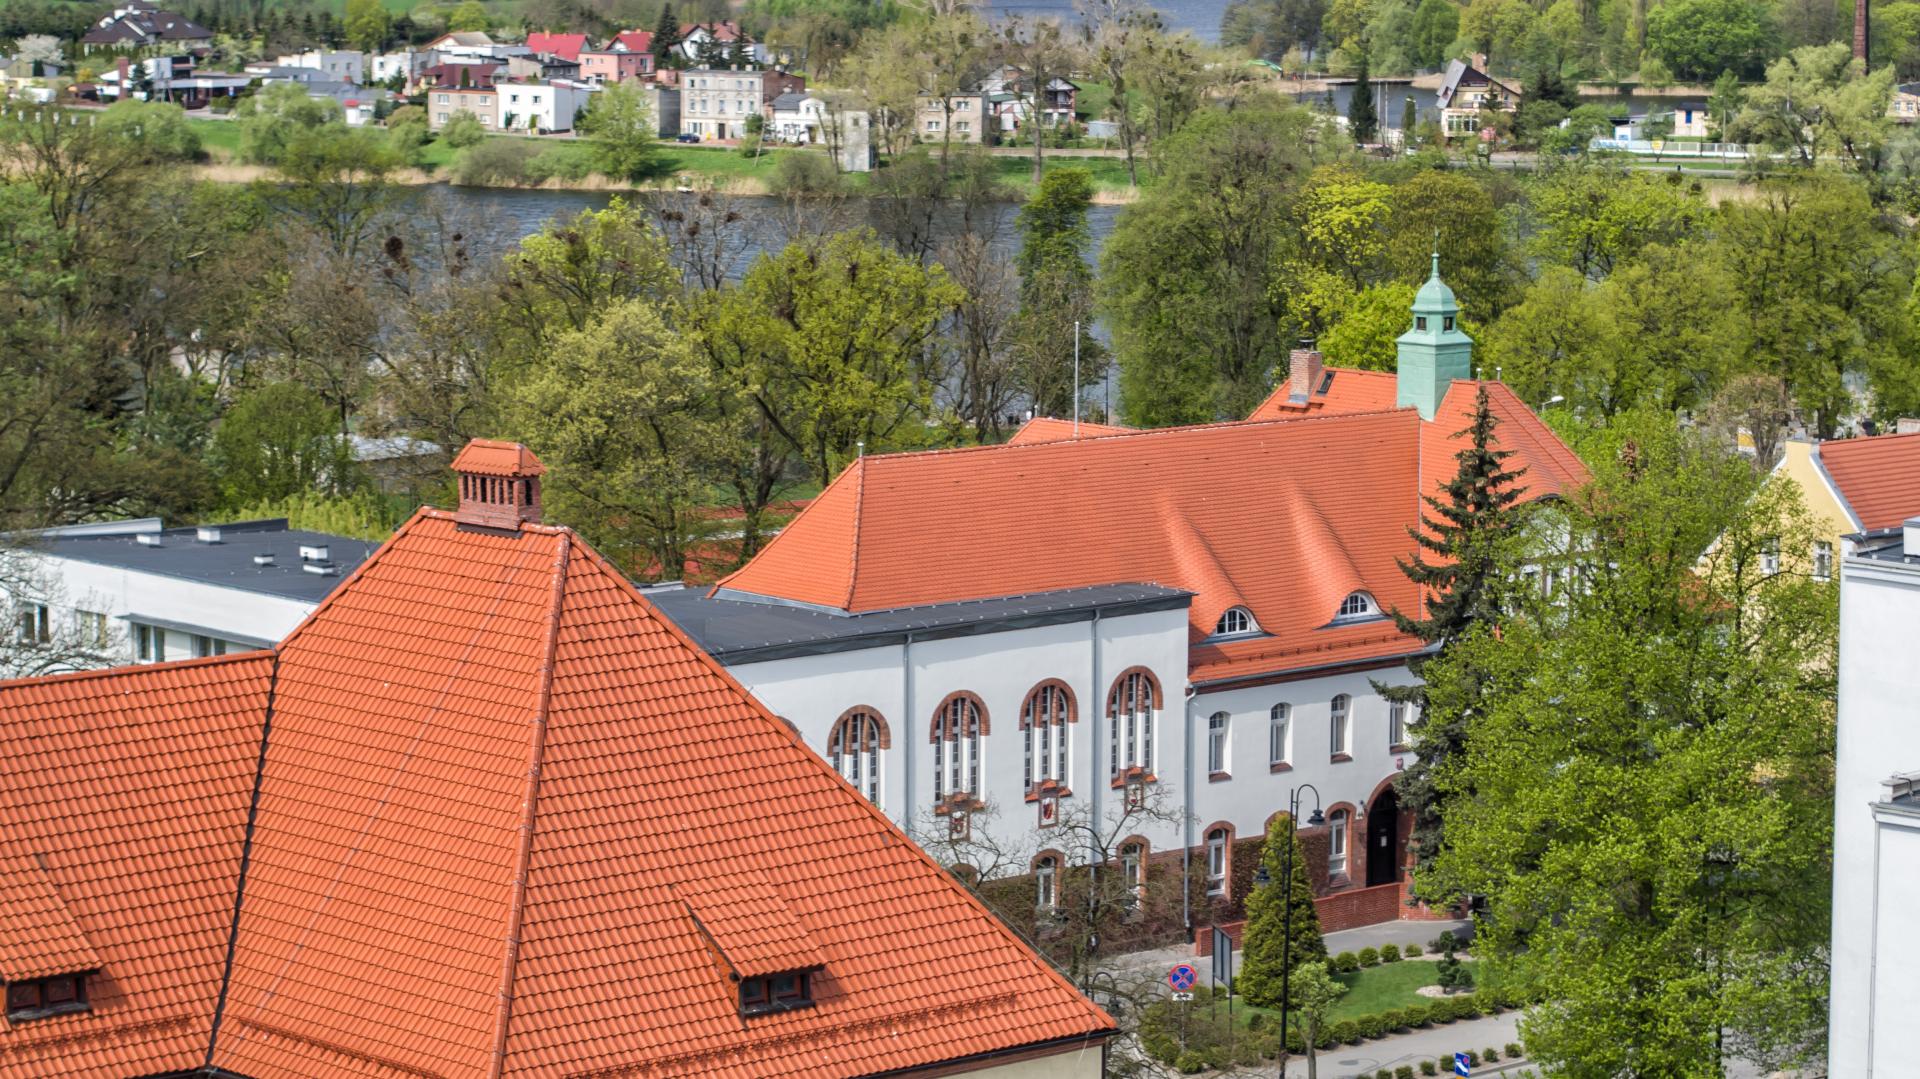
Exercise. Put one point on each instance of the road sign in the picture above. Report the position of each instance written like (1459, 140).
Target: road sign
(1183, 996)
(1222, 957)
(1460, 1066)
(1182, 978)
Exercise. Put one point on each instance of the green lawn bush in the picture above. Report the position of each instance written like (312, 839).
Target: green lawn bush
(1412, 951)
(1404, 1071)
(1346, 963)
(1369, 957)
(1427, 1068)
(1514, 1052)
(1390, 954)
(1490, 1055)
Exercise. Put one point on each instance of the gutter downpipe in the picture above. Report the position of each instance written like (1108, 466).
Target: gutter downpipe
(1186, 814)
(906, 738)
(1099, 717)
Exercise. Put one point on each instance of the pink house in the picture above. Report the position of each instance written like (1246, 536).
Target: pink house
(607, 65)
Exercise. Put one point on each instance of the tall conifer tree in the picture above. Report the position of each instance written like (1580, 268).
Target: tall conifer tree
(1266, 955)
(1361, 118)
(1459, 578)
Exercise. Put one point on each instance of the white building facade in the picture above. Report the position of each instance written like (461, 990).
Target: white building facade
(343, 65)
(1876, 828)
(541, 106)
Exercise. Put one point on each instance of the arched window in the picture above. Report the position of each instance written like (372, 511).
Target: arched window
(1234, 622)
(1046, 882)
(1277, 735)
(1133, 869)
(1044, 718)
(1357, 606)
(1130, 711)
(1337, 843)
(1219, 859)
(854, 750)
(1338, 726)
(1217, 725)
(956, 746)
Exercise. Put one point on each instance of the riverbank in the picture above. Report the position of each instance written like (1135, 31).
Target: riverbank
(722, 168)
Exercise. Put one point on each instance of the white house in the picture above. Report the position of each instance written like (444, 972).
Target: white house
(541, 106)
(340, 65)
(997, 636)
(1876, 814)
(140, 593)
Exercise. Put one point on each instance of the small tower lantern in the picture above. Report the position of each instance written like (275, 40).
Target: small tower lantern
(1434, 351)
(499, 484)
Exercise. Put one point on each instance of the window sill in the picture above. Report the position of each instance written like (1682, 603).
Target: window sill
(1120, 781)
(1034, 794)
(1277, 767)
(1341, 758)
(1400, 747)
(28, 1014)
(1219, 777)
(775, 1007)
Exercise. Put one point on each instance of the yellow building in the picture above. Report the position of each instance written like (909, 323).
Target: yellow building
(1853, 485)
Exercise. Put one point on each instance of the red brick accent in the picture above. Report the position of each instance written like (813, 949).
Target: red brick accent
(1359, 906)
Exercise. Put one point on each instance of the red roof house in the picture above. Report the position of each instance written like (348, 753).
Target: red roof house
(484, 813)
(631, 41)
(1877, 478)
(565, 46)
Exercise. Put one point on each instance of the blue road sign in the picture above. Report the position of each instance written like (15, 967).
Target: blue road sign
(1182, 978)
(1460, 1066)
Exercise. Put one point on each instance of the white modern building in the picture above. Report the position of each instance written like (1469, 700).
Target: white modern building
(1079, 620)
(541, 106)
(340, 65)
(136, 592)
(1871, 1031)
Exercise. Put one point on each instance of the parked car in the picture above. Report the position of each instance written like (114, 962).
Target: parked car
(686, 137)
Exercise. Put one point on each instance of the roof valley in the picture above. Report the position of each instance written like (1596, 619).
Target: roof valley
(246, 858)
(517, 908)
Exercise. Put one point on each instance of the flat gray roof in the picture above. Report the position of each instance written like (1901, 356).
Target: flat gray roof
(228, 563)
(749, 630)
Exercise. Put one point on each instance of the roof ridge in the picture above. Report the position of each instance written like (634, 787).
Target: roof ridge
(246, 860)
(342, 588)
(859, 505)
(132, 669)
(529, 806)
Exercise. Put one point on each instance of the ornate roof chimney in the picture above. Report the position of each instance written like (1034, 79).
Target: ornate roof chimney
(499, 484)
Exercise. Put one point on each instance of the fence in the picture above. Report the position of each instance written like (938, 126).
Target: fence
(1719, 151)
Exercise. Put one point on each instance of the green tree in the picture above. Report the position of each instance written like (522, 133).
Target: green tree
(832, 338)
(1699, 39)
(1264, 961)
(1184, 278)
(1435, 25)
(620, 128)
(1362, 121)
(1446, 211)
(1816, 103)
(666, 38)
(1593, 216)
(1366, 330)
(561, 277)
(1056, 291)
(1314, 995)
(274, 117)
(462, 130)
(1342, 218)
(622, 413)
(160, 129)
(1645, 799)
(1463, 585)
(280, 440)
(469, 15)
(368, 25)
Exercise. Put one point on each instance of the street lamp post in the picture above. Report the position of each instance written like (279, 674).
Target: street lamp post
(1262, 879)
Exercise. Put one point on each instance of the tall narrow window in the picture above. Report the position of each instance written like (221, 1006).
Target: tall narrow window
(1217, 742)
(1337, 727)
(1337, 843)
(1219, 859)
(1822, 560)
(1131, 707)
(1133, 869)
(1046, 881)
(33, 624)
(854, 750)
(1043, 718)
(956, 747)
(1277, 734)
(1396, 723)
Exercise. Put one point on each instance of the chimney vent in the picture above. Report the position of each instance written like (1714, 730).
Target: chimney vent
(1303, 372)
(147, 539)
(1906, 425)
(207, 533)
(1910, 537)
(499, 484)
(264, 558)
(323, 569)
(313, 552)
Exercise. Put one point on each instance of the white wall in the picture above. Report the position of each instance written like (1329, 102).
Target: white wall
(1878, 736)
(542, 106)
(116, 591)
(813, 692)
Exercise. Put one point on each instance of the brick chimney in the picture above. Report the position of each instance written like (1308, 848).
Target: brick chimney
(126, 85)
(1304, 366)
(499, 484)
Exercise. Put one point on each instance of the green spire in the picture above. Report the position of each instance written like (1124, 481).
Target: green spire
(1433, 352)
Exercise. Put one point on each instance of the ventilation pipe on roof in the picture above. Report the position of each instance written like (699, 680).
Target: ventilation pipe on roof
(1303, 372)
(264, 558)
(313, 552)
(147, 539)
(207, 533)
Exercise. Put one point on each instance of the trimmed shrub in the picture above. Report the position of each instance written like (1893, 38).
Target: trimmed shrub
(1390, 954)
(1473, 1059)
(1369, 957)
(1420, 1015)
(1395, 1018)
(1346, 963)
(1256, 1022)
(1446, 943)
(1383, 1074)
(1444, 1065)
(1345, 1031)
(1514, 1052)
(1427, 1068)
(1296, 1042)
(1404, 1071)
(1372, 1026)
(1490, 1055)
(1190, 1063)
(1411, 951)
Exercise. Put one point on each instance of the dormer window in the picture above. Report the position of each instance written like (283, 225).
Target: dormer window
(40, 998)
(1236, 622)
(1357, 607)
(776, 993)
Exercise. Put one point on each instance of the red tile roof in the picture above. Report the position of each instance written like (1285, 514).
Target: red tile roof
(1878, 478)
(565, 46)
(499, 799)
(1284, 516)
(1048, 429)
(633, 40)
(490, 458)
(1348, 390)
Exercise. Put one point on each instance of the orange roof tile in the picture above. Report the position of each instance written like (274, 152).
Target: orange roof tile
(565, 46)
(1285, 516)
(1048, 429)
(493, 786)
(1349, 390)
(1878, 478)
(489, 458)
(128, 790)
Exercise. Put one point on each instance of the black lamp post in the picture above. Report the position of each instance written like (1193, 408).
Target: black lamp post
(1261, 879)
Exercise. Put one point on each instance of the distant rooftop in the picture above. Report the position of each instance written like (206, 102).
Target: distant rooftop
(230, 563)
(737, 630)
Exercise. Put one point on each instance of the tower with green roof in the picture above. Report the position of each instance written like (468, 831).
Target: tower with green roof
(1434, 352)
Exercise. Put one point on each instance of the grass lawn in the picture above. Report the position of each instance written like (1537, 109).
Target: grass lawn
(1372, 990)
(220, 137)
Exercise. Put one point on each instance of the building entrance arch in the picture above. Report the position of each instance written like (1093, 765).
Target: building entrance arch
(1384, 853)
